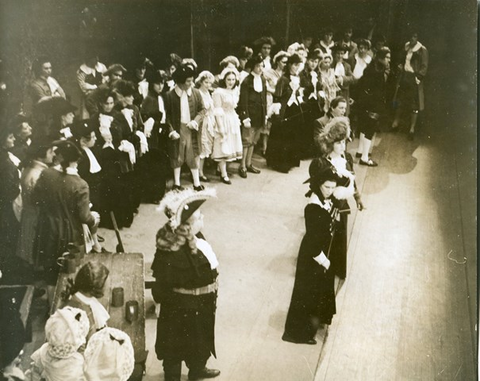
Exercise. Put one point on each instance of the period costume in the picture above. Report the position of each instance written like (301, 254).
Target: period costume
(284, 147)
(63, 198)
(207, 125)
(313, 293)
(155, 162)
(109, 356)
(30, 212)
(186, 288)
(252, 106)
(411, 92)
(183, 107)
(230, 147)
(58, 359)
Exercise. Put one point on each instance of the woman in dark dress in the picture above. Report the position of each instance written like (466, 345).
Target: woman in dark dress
(331, 144)
(284, 147)
(313, 297)
(155, 161)
(185, 269)
(113, 188)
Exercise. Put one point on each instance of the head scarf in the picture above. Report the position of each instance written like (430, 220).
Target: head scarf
(109, 356)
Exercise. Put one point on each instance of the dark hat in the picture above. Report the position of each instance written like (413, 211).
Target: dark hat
(55, 106)
(339, 47)
(314, 54)
(82, 128)
(245, 52)
(265, 40)
(68, 149)
(294, 59)
(40, 144)
(184, 71)
(255, 60)
(321, 170)
(18, 119)
(179, 206)
(125, 88)
(157, 76)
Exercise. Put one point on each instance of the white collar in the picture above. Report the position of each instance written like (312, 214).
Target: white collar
(415, 48)
(100, 314)
(68, 170)
(327, 46)
(90, 70)
(180, 92)
(326, 204)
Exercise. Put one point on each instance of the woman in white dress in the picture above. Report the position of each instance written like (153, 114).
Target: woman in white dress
(227, 143)
(204, 83)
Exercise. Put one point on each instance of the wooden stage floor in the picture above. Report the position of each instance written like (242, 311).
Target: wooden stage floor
(404, 311)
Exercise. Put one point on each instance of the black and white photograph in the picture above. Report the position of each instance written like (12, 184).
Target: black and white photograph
(238, 190)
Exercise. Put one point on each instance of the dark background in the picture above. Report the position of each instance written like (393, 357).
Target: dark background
(209, 30)
(213, 29)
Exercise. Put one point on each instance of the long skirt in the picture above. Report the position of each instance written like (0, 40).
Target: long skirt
(285, 141)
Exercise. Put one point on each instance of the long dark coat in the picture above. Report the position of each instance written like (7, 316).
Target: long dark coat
(64, 206)
(251, 104)
(172, 108)
(313, 292)
(185, 328)
(155, 160)
(285, 144)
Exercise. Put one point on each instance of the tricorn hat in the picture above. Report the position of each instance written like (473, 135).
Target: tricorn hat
(179, 206)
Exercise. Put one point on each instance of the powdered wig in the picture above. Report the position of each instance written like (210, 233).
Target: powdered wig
(170, 240)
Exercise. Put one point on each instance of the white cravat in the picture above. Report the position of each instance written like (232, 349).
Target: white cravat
(161, 108)
(94, 165)
(128, 114)
(257, 83)
(294, 85)
(53, 84)
(339, 70)
(184, 107)
(410, 50)
(143, 88)
(314, 83)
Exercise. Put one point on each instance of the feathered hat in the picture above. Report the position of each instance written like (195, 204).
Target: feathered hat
(178, 206)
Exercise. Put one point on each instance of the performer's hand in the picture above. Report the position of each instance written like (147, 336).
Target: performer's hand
(174, 135)
(360, 205)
